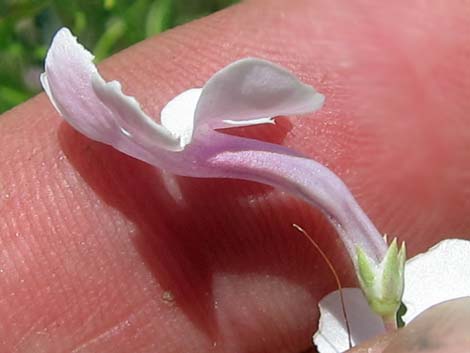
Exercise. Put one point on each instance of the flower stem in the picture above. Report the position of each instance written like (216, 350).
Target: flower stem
(390, 323)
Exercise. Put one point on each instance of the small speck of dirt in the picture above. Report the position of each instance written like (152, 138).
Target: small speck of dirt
(168, 297)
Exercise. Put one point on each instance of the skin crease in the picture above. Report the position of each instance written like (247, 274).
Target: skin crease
(102, 253)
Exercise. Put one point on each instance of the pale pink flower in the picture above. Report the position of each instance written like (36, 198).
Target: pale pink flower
(187, 141)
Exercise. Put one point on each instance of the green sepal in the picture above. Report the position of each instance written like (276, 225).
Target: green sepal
(366, 268)
(383, 283)
(389, 275)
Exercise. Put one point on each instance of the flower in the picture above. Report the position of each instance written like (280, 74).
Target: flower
(248, 91)
(438, 275)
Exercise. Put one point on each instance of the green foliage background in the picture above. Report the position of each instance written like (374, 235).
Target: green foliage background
(105, 26)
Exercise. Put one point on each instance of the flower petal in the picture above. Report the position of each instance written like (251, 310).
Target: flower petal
(178, 115)
(252, 91)
(440, 274)
(97, 109)
(70, 89)
(332, 335)
(130, 118)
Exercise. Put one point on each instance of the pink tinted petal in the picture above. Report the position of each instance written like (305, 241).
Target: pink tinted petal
(130, 118)
(67, 82)
(332, 335)
(97, 109)
(251, 89)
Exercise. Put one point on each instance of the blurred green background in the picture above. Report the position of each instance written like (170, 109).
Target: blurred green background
(104, 26)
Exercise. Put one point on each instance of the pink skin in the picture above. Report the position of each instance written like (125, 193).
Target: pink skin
(92, 242)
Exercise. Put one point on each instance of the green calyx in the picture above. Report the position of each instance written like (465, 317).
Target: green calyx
(383, 283)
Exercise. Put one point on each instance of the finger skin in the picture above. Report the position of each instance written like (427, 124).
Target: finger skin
(375, 345)
(442, 329)
(101, 253)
